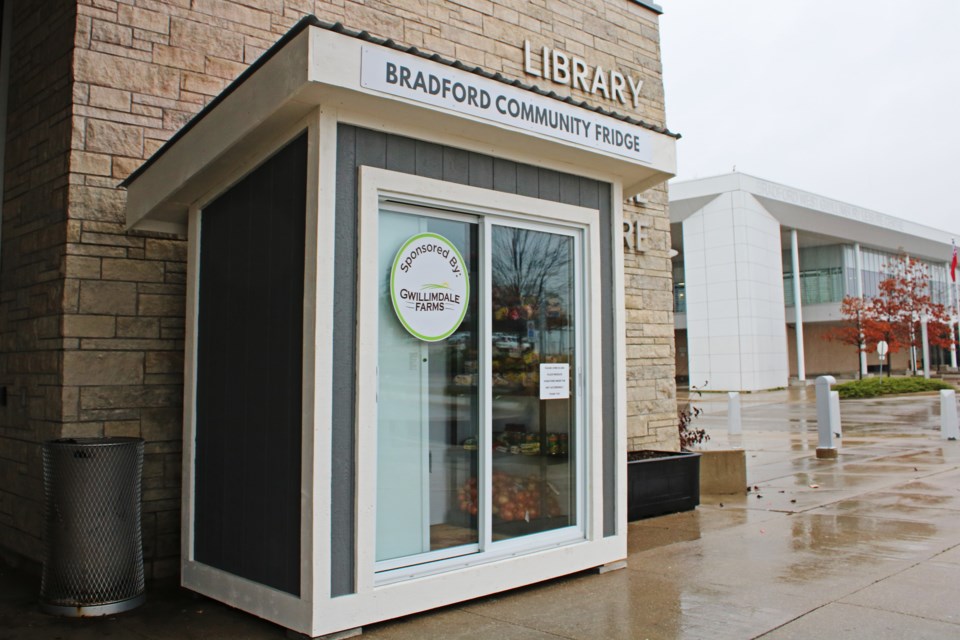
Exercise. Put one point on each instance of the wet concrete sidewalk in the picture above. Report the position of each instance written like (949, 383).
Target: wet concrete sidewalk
(865, 546)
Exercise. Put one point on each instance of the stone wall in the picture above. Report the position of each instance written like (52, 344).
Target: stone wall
(651, 361)
(93, 315)
(32, 262)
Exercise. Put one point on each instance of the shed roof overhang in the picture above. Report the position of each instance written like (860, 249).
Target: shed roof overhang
(320, 65)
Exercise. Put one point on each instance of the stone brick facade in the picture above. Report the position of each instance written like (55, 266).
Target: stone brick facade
(33, 262)
(92, 316)
(648, 296)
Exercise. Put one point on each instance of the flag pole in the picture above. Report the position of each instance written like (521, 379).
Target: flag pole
(955, 325)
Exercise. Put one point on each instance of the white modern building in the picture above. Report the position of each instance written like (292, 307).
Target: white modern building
(761, 269)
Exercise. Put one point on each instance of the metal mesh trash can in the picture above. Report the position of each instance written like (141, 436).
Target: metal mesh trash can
(94, 554)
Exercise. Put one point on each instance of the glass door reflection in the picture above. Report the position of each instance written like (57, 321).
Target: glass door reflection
(428, 416)
(534, 484)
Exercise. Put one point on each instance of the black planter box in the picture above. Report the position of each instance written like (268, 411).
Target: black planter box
(664, 482)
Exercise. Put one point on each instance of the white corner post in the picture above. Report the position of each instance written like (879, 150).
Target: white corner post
(825, 418)
(797, 303)
(925, 341)
(734, 424)
(859, 261)
(949, 430)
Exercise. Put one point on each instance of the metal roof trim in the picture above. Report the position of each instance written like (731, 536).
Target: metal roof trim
(653, 6)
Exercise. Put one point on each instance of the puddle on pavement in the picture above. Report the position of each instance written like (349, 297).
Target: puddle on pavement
(827, 481)
(825, 545)
(642, 538)
(871, 467)
(886, 503)
(948, 485)
(934, 456)
(851, 542)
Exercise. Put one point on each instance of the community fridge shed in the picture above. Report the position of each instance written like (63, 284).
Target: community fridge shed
(405, 373)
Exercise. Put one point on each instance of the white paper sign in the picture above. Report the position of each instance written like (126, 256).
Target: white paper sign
(442, 86)
(429, 287)
(554, 381)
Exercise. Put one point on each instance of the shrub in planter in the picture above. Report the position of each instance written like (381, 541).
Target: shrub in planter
(689, 436)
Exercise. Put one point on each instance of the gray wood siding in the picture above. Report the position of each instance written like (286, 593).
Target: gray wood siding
(249, 374)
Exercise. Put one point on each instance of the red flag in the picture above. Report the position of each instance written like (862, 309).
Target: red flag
(953, 264)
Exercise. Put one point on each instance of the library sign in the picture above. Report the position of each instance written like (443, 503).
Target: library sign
(567, 69)
(429, 287)
(463, 92)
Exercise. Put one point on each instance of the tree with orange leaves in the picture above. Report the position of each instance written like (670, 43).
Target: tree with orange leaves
(905, 301)
(860, 328)
(896, 313)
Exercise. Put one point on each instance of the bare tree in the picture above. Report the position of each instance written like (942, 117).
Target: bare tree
(529, 265)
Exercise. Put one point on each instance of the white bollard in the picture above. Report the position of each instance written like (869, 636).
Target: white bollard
(948, 415)
(825, 430)
(733, 413)
(835, 414)
(925, 341)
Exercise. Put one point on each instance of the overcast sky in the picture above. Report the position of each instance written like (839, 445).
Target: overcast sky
(856, 100)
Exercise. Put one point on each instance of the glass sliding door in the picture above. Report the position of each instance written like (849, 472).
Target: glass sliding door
(479, 416)
(428, 413)
(534, 406)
